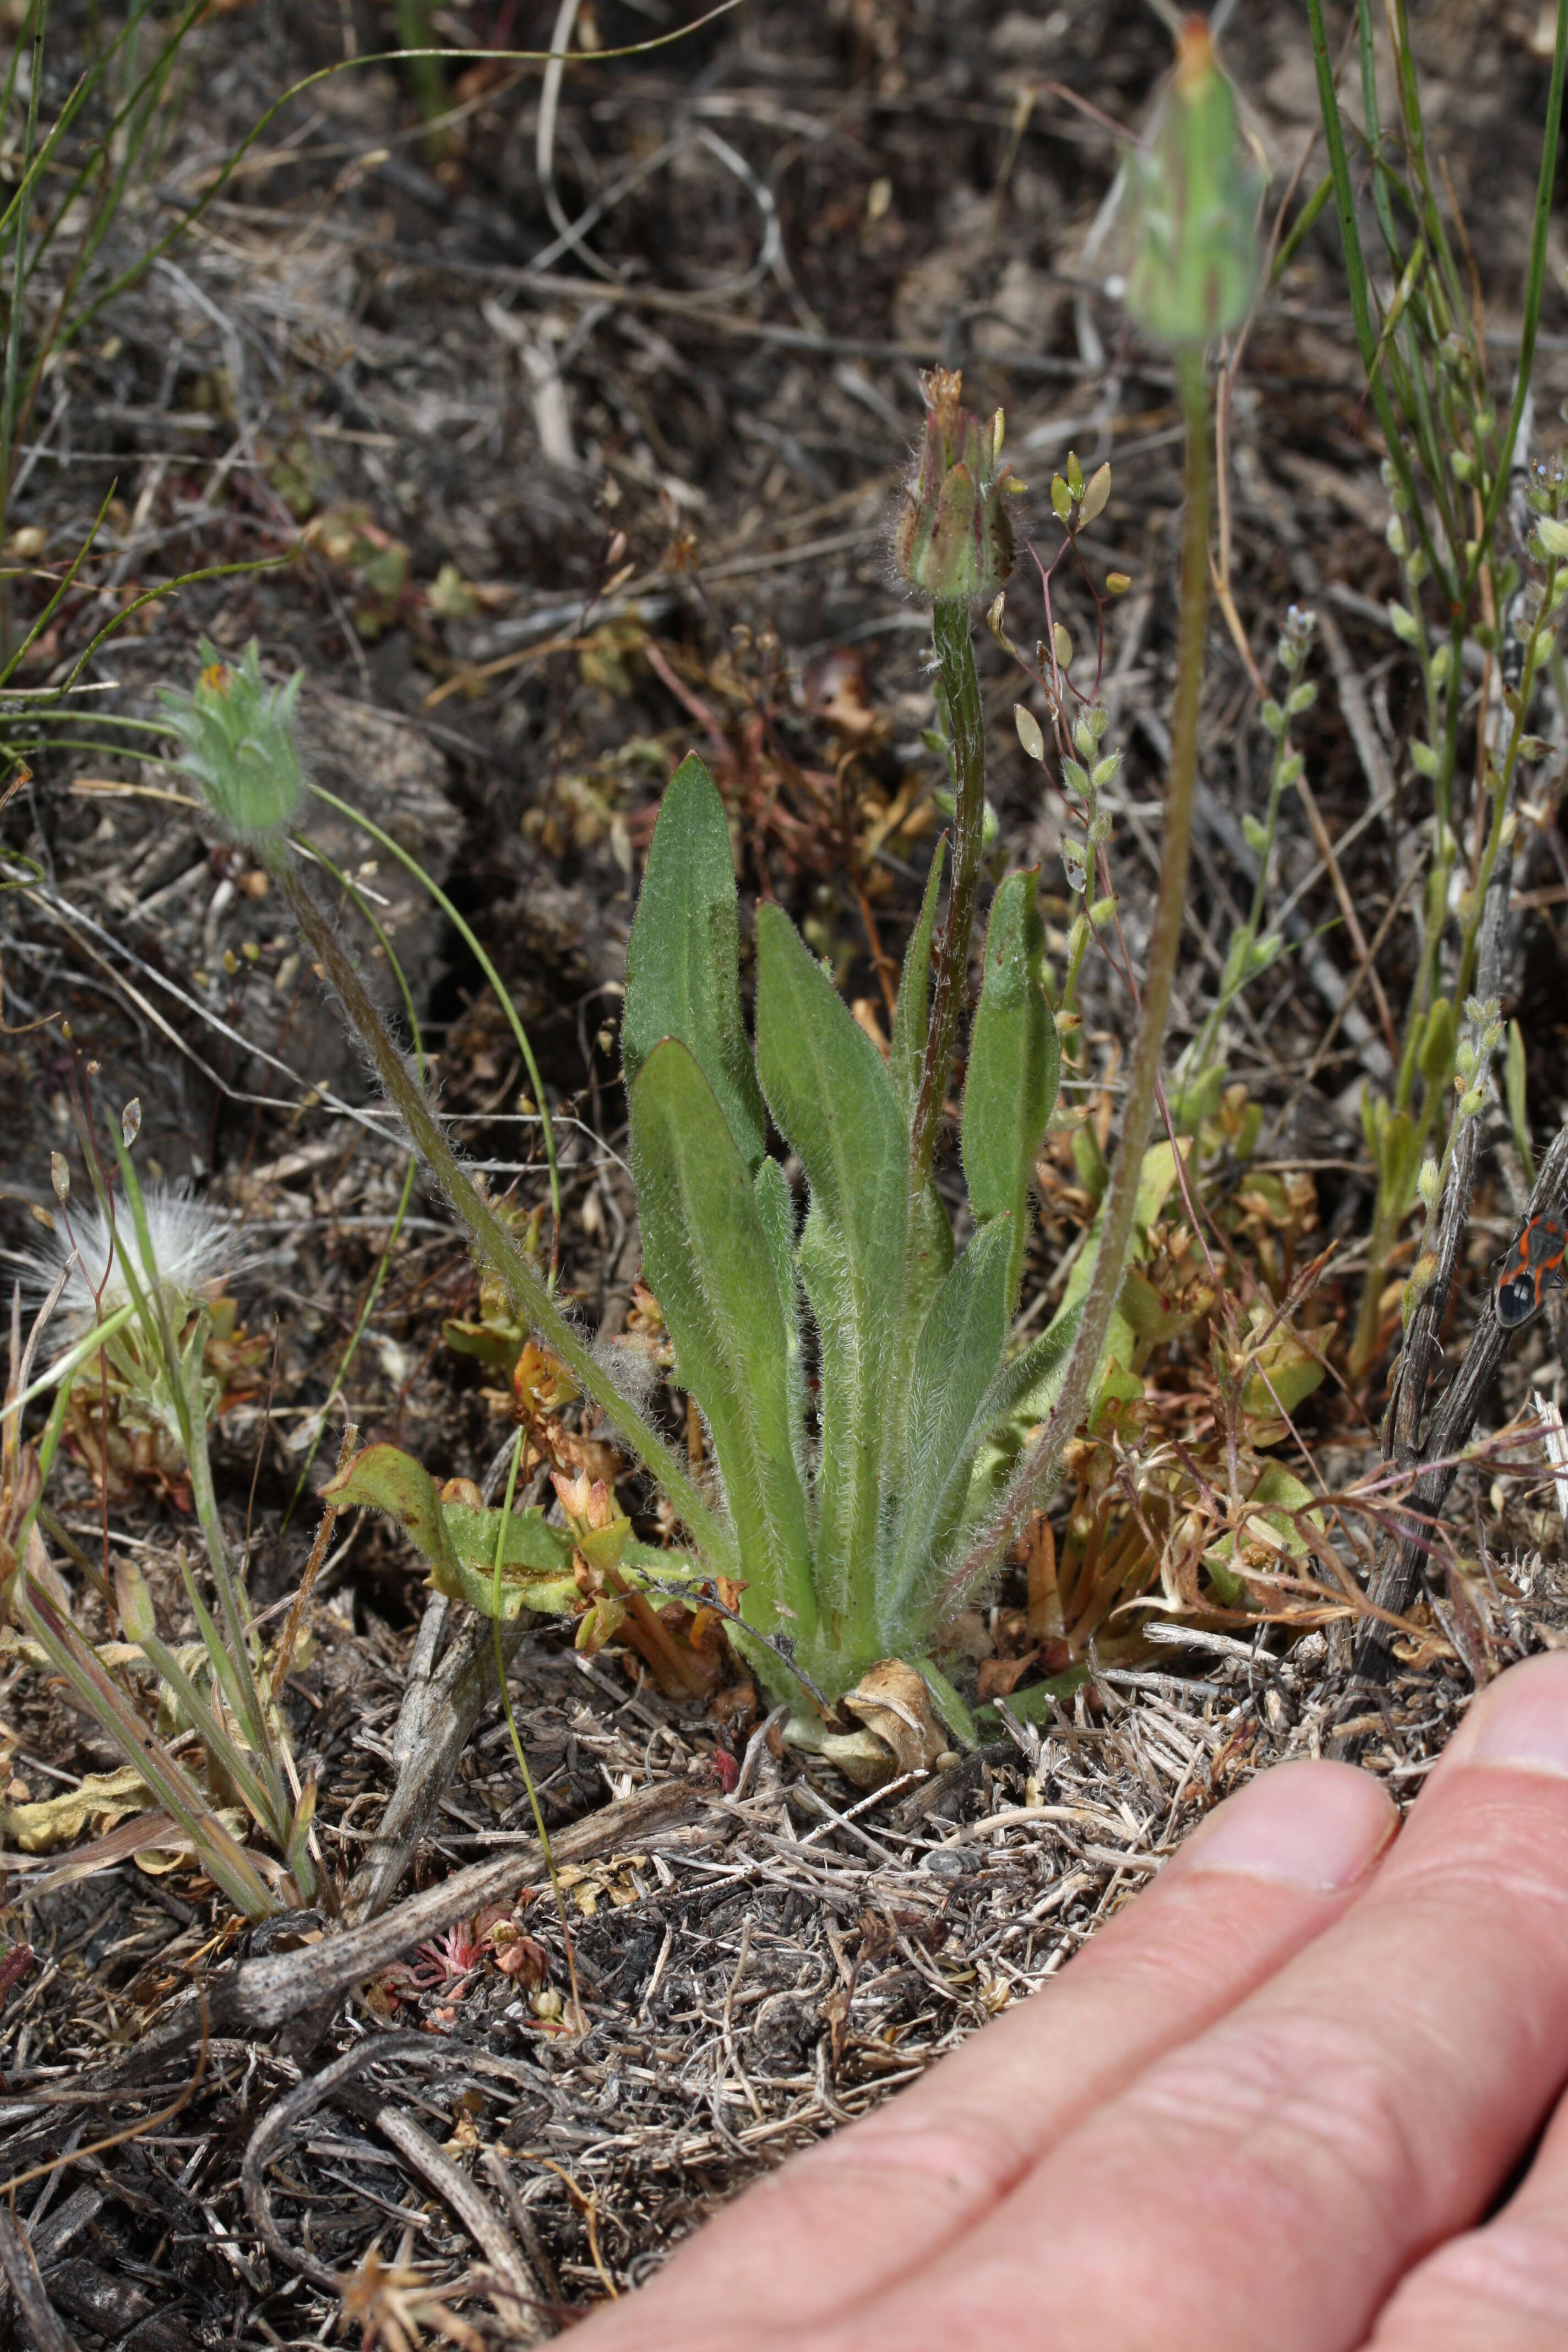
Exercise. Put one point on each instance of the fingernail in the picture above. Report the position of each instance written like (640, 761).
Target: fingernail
(1318, 1827)
(1520, 1722)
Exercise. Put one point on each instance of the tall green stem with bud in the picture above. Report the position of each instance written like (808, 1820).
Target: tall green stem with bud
(1193, 273)
(961, 693)
(525, 1290)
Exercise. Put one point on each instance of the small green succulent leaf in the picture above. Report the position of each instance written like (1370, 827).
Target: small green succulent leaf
(830, 1095)
(1146, 1313)
(1293, 1502)
(1398, 1163)
(713, 1259)
(912, 1011)
(459, 1540)
(683, 955)
(957, 1357)
(1015, 1063)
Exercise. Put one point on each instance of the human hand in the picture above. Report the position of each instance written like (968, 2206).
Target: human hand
(1270, 2103)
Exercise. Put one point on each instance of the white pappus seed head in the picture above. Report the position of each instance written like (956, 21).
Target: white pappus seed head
(193, 1242)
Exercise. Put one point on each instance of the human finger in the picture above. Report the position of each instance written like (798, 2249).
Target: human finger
(1504, 2285)
(1272, 2178)
(1271, 1867)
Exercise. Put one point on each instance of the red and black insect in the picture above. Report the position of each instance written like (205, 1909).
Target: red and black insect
(1532, 1264)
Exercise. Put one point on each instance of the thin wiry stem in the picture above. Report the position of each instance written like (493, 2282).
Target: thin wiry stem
(1037, 1473)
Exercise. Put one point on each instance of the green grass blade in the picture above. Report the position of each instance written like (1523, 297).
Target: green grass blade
(1534, 288)
(227, 1863)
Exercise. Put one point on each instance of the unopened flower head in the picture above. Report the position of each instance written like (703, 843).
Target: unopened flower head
(1192, 198)
(954, 535)
(238, 734)
(194, 1244)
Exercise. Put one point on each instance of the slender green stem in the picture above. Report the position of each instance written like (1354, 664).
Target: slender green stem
(1534, 290)
(527, 1292)
(62, 1370)
(520, 1036)
(1358, 282)
(966, 733)
(1037, 1473)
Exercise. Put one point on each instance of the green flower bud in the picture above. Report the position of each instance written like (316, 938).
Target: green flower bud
(238, 735)
(1194, 195)
(954, 536)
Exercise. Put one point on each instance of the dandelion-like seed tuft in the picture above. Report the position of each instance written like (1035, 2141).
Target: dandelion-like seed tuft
(194, 1243)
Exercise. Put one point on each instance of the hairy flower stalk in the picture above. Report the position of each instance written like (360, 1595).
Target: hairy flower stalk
(239, 747)
(953, 543)
(525, 1290)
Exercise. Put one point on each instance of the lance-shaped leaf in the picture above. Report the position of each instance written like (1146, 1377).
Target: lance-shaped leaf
(459, 1541)
(957, 1358)
(714, 1270)
(775, 1208)
(1014, 1061)
(830, 1095)
(683, 955)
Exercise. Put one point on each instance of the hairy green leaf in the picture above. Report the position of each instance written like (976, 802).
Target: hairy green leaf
(957, 1358)
(1014, 1062)
(683, 955)
(775, 1210)
(830, 1095)
(714, 1268)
